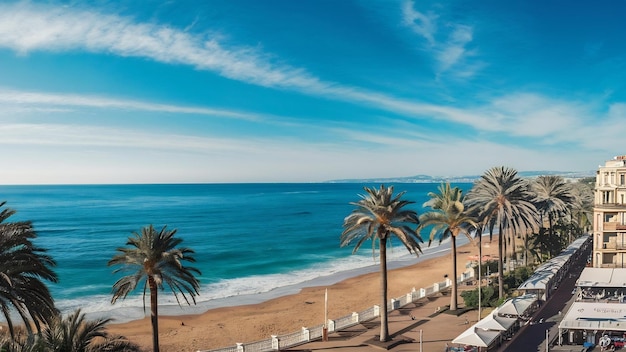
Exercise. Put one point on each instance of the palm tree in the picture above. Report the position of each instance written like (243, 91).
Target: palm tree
(153, 259)
(503, 200)
(23, 266)
(582, 207)
(71, 334)
(448, 219)
(378, 216)
(75, 334)
(553, 198)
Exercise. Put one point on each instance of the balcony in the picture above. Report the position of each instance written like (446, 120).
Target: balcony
(613, 226)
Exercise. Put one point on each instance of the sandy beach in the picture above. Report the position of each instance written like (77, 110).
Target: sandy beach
(227, 326)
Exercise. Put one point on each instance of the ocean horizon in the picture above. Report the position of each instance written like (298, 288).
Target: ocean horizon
(252, 242)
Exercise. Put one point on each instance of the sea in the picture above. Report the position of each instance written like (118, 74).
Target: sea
(252, 242)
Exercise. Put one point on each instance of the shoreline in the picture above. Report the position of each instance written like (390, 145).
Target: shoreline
(131, 309)
(247, 322)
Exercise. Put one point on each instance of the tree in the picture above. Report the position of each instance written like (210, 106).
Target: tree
(23, 266)
(378, 216)
(504, 200)
(153, 259)
(448, 219)
(71, 334)
(553, 197)
(582, 206)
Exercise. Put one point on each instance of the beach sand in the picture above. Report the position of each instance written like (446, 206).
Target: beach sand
(227, 326)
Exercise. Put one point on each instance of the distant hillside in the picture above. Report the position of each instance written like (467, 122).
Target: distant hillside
(462, 179)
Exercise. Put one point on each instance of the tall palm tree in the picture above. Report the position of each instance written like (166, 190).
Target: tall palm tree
(23, 266)
(153, 259)
(378, 216)
(448, 219)
(503, 200)
(553, 197)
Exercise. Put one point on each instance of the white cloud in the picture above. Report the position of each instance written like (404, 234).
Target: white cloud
(453, 51)
(447, 46)
(63, 135)
(422, 24)
(26, 27)
(523, 115)
(54, 102)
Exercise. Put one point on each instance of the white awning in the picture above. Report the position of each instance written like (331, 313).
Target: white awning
(477, 337)
(495, 322)
(600, 277)
(595, 315)
(518, 305)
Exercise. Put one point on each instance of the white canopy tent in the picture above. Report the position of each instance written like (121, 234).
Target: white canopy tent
(487, 331)
(477, 337)
(550, 273)
(495, 322)
(517, 306)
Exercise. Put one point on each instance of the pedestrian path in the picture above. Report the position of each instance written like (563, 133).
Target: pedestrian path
(417, 327)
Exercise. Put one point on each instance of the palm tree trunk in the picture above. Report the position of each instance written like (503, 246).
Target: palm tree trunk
(550, 236)
(505, 251)
(384, 328)
(514, 251)
(480, 276)
(453, 295)
(526, 248)
(500, 263)
(154, 314)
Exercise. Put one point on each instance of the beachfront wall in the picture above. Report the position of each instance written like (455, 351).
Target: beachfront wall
(279, 342)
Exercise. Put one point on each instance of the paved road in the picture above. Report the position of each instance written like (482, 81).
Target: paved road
(533, 337)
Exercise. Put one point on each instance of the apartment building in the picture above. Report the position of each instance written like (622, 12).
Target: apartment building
(609, 214)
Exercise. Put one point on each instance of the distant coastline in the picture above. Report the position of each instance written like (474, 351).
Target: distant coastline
(569, 175)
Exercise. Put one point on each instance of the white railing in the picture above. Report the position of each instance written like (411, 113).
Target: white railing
(369, 314)
(316, 332)
(276, 343)
(259, 346)
(347, 321)
(293, 339)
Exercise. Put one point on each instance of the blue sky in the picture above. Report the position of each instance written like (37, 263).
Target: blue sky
(306, 90)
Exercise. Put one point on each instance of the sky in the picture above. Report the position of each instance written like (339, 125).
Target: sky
(306, 90)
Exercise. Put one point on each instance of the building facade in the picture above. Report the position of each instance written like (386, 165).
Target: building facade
(609, 215)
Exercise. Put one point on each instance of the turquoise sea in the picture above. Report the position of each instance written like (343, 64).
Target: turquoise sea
(253, 242)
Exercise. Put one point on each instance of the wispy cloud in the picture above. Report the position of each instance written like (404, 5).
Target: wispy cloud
(61, 102)
(447, 43)
(522, 115)
(422, 24)
(26, 27)
(454, 50)
(62, 135)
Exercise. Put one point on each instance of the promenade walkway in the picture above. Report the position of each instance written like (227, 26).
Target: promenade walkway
(412, 324)
(406, 325)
